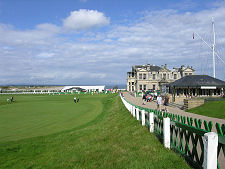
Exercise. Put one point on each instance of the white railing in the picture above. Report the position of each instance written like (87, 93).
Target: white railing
(210, 139)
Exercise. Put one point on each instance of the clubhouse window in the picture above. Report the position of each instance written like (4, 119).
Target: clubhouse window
(153, 76)
(144, 86)
(140, 87)
(153, 87)
(144, 76)
(140, 76)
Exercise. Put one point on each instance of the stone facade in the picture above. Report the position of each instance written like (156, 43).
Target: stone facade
(146, 77)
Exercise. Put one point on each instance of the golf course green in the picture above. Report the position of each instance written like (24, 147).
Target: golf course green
(36, 115)
(45, 131)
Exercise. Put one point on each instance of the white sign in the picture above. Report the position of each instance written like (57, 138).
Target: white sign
(208, 87)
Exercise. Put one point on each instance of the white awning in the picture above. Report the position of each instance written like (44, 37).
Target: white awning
(208, 87)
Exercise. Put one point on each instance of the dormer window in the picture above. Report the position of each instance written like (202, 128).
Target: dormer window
(175, 76)
(153, 76)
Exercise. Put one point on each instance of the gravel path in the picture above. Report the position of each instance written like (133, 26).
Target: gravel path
(172, 109)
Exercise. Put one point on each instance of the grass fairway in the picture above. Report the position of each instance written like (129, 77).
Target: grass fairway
(36, 115)
(113, 139)
(211, 109)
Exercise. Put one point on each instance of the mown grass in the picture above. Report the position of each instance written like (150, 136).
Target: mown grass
(112, 140)
(211, 109)
(36, 115)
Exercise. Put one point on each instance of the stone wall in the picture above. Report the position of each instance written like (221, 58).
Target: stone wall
(192, 103)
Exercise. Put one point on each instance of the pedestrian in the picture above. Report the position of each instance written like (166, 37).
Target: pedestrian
(166, 102)
(75, 99)
(159, 102)
(121, 93)
(155, 95)
(12, 99)
(78, 100)
(144, 99)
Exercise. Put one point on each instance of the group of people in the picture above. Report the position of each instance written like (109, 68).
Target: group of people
(147, 98)
(76, 100)
(165, 102)
(150, 97)
(11, 99)
(159, 101)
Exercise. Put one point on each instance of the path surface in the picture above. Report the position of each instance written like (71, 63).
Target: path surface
(173, 108)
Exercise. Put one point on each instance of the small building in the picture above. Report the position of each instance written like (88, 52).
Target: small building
(196, 85)
(86, 88)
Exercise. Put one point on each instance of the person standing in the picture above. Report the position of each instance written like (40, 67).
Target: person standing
(12, 99)
(144, 99)
(155, 95)
(166, 103)
(75, 99)
(159, 102)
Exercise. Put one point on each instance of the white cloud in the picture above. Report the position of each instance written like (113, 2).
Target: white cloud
(47, 27)
(85, 19)
(45, 55)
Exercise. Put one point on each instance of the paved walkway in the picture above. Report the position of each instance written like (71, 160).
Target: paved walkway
(173, 108)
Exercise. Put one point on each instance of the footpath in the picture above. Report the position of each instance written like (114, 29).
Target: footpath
(172, 108)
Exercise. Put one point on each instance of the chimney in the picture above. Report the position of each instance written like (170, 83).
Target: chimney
(165, 66)
(148, 67)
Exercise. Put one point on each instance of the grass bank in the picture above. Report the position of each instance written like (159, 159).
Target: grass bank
(211, 109)
(114, 139)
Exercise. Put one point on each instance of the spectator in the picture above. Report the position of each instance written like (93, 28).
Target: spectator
(159, 102)
(144, 99)
(166, 103)
(155, 95)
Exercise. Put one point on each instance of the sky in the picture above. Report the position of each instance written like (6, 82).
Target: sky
(87, 42)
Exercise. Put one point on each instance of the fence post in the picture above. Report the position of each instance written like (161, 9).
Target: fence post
(130, 107)
(134, 109)
(137, 113)
(143, 117)
(210, 150)
(151, 122)
(166, 132)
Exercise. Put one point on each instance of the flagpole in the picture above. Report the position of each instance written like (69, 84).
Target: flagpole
(213, 48)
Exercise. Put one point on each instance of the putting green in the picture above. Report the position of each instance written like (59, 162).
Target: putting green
(37, 115)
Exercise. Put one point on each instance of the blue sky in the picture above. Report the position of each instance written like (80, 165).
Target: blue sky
(97, 41)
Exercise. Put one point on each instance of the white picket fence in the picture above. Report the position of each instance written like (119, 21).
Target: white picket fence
(210, 139)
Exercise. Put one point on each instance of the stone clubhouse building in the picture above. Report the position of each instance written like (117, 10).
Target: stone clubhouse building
(146, 77)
